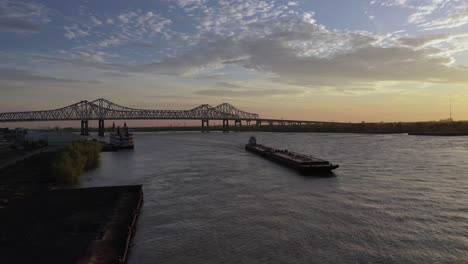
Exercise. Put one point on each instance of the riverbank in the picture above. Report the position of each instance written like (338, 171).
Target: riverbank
(26, 176)
(91, 225)
(74, 159)
(43, 221)
(414, 128)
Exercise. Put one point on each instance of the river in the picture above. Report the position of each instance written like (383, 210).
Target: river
(395, 199)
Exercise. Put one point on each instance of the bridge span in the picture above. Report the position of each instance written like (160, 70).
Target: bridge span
(102, 109)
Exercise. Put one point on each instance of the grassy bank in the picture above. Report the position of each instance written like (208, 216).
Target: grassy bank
(75, 159)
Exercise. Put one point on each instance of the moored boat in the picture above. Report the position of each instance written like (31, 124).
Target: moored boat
(303, 163)
(122, 139)
(107, 147)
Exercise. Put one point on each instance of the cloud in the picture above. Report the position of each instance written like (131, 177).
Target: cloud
(191, 3)
(125, 17)
(446, 44)
(17, 25)
(425, 10)
(431, 14)
(8, 75)
(73, 32)
(211, 76)
(96, 21)
(360, 66)
(399, 3)
(239, 17)
(248, 93)
(82, 61)
(229, 85)
(453, 20)
(310, 55)
(151, 23)
(19, 16)
(423, 41)
(421, 10)
(226, 89)
(273, 40)
(132, 26)
(108, 42)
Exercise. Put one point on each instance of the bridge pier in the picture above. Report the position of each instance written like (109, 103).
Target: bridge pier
(205, 125)
(259, 123)
(84, 128)
(101, 128)
(225, 125)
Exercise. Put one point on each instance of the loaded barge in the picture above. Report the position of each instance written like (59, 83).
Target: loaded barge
(299, 162)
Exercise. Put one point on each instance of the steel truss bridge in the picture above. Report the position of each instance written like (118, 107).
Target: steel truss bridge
(102, 109)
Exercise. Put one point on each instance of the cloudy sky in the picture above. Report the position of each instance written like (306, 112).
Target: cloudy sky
(342, 60)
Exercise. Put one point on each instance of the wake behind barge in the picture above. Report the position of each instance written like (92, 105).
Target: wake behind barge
(302, 163)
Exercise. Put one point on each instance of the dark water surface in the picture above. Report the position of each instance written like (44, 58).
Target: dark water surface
(395, 199)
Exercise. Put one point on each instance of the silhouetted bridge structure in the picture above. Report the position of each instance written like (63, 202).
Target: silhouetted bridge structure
(102, 109)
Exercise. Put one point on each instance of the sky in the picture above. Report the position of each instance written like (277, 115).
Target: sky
(334, 60)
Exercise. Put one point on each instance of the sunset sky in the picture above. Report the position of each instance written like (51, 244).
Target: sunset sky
(341, 60)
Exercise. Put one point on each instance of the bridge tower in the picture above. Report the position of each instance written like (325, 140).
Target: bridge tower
(205, 125)
(237, 123)
(225, 125)
(84, 128)
(101, 128)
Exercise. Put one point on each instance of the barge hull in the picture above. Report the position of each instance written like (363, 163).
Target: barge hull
(320, 167)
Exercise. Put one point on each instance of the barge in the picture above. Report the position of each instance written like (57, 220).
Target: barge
(299, 162)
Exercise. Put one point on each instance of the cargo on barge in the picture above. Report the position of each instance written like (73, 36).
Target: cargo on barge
(302, 163)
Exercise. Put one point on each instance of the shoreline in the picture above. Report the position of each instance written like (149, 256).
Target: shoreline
(455, 128)
(71, 225)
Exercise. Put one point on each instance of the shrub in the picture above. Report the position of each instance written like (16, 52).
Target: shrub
(75, 159)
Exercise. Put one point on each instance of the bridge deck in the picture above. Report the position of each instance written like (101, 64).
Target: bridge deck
(102, 109)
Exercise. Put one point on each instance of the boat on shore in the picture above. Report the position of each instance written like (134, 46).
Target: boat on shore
(302, 163)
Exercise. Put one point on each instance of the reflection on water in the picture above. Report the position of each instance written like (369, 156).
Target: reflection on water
(395, 199)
